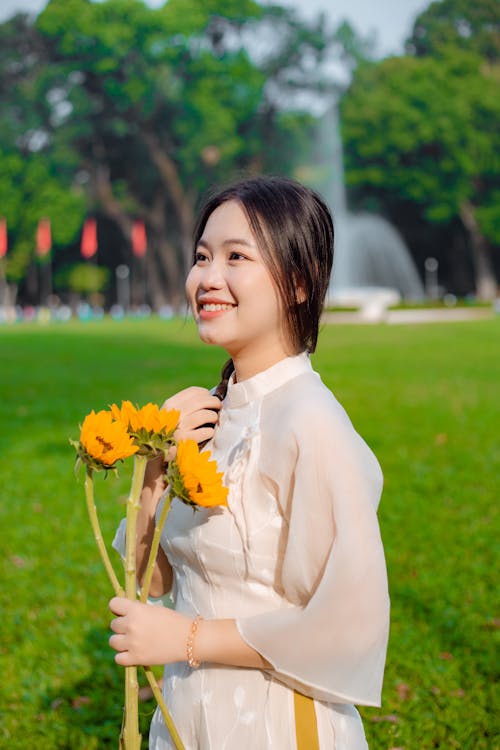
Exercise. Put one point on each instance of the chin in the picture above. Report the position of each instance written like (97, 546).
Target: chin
(209, 337)
(212, 339)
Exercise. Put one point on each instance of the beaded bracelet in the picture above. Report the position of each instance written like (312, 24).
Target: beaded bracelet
(193, 663)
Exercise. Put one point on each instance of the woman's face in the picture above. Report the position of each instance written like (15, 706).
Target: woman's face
(233, 296)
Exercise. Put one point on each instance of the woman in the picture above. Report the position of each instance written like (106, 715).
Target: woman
(281, 598)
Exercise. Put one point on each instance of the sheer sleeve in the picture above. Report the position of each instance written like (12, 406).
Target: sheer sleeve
(330, 642)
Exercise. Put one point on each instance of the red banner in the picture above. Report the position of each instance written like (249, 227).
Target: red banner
(43, 237)
(88, 246)
(3, 238)
(139, 239)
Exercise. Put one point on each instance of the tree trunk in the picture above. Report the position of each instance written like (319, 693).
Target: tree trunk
(104, 194)
(4, 289)
(486, 283)
(167, 255)
(155, 288)
(183, 204)
(11, 294)
(163, 272)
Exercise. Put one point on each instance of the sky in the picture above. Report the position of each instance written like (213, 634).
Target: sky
(391, 20)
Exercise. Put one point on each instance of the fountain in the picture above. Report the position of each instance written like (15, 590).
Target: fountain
(372, 268)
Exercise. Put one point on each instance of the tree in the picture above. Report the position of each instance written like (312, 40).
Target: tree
(470, 26)
(140, 110)
(425, 131)
(34, 181)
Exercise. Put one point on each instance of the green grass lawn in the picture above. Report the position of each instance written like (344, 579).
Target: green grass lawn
(424, 397)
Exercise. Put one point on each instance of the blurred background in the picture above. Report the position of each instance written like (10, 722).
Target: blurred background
(117, 116)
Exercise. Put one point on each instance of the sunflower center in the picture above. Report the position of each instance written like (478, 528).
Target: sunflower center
(106, 446)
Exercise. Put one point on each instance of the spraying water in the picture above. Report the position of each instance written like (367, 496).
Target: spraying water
(371, 257)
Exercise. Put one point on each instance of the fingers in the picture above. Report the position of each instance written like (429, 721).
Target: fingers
(199, 413)
(149, 635)
(118, 642)
(118, 625)
(198, 419)
(192, 399)
(202, 434)
(119, 605)
(124, 659)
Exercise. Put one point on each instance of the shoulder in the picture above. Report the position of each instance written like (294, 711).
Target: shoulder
(305, 403)
(314, 426)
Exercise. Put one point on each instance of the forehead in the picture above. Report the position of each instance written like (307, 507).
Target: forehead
(228, 221)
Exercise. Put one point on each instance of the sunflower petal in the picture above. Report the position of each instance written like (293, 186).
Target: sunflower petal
(194, 477)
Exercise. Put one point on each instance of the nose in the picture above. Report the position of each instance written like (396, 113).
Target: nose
(212, 276)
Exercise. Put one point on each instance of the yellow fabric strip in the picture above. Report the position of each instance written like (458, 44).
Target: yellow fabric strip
(306, 727)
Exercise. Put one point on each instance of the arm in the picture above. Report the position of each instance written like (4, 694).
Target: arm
(152, 491)
(197, 408)
(333, 571)
(331, 643)
(158, 635)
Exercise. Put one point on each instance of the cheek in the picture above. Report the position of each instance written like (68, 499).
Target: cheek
(269, 298)
(191, 286)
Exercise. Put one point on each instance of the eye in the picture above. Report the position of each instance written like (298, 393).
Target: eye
(199, 257)
(235, 255)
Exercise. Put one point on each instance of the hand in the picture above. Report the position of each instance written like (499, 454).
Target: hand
(199, 413)
(145, 634)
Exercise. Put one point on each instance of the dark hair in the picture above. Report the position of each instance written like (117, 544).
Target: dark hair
(294, 231)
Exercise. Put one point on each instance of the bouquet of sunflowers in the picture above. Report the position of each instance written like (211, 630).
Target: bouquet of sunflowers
(111, 436)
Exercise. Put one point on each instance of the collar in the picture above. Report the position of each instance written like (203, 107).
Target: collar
(258, 386)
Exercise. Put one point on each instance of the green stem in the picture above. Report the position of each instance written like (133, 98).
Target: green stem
(94, 520)
(153, 552)
(131, 736)
(133, 505)
(131, 739)
(163, 708)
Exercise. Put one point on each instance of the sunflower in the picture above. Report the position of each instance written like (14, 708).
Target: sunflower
(104, 441)
(155, 420)
(126, 414)
(194, 478)
(152, 428)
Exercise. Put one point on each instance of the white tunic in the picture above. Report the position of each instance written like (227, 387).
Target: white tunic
(296, 559)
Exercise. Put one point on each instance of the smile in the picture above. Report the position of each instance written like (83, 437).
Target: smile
(211, 307)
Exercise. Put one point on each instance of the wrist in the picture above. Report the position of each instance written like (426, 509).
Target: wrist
(191, 645)
(207, 640)
(219, 642)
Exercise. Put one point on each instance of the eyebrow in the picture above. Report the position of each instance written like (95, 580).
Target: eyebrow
(231, 241)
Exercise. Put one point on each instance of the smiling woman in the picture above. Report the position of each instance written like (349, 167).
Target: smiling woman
(233, 295)
(280, 599)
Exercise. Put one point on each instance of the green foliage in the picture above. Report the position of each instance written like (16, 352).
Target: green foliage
(83, 278)
(146, 108)
(30, 189)
(421, 136)
(424, 130)
(36, 179)
(470, 25)
(355, 49)
(425, 399)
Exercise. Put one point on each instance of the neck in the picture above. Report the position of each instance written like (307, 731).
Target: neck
(247, 366)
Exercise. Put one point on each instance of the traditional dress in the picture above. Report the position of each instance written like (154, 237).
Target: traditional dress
(296, 559)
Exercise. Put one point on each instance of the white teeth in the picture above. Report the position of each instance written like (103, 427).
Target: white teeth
(215, 308)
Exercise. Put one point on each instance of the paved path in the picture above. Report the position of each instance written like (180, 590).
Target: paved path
(398, 317)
